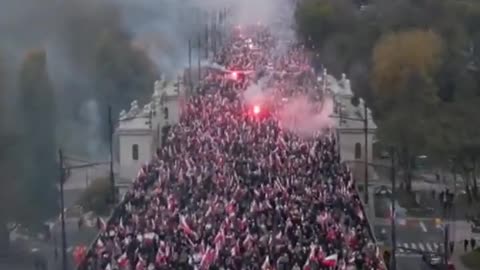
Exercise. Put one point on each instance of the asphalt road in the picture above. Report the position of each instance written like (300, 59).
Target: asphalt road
(421, 234)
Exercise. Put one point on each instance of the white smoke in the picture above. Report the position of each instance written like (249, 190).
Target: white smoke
(164, 27)
(306, 118)
(90, 114)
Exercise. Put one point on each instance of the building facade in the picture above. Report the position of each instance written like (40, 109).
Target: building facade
(140, 130)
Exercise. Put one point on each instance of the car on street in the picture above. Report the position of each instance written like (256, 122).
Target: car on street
(433, 259)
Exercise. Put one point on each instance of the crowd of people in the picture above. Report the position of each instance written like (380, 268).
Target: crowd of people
(232, 189)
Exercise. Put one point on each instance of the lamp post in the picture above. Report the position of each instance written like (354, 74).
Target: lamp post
(393, 259)
(61, 181)
(110, 142)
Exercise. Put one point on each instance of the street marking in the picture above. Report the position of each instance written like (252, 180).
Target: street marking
(421, 247)
(435, 246)
(414, 246)
(429, 248)
(422, 225)
(408, 255)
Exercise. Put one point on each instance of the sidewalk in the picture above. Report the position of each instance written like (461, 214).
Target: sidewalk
(456, 257)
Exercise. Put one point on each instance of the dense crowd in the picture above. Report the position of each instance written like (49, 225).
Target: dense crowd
(231, 189)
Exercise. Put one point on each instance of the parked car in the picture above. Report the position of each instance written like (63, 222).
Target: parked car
(434, 260)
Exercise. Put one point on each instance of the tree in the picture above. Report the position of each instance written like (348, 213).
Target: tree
(9, 141)
(5, 179)
(406, 97)
(38, 173)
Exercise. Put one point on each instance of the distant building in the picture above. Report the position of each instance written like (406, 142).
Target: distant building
(140, 129)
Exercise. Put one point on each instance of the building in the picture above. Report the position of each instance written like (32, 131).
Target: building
(352, 129)
(140, 130)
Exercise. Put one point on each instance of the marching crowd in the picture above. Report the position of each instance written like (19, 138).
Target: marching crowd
(231, 189)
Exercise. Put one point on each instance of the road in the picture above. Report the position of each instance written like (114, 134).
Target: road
(412, 233)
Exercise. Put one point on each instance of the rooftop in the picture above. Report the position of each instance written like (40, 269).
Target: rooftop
(139, 118)
(352, 116)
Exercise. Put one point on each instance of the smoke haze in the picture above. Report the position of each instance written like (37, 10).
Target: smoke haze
(69, 33)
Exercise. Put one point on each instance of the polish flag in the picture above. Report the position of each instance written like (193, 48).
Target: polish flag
(186, 228)
(266, 264)
(220, 237)
(207, 259)
(330, 261)
(123, 260)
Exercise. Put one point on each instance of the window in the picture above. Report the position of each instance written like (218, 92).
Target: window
(358, 151)
(165, 113)
(135, 152)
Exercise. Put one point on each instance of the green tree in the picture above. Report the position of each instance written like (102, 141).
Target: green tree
(38, 143)
(406, 97)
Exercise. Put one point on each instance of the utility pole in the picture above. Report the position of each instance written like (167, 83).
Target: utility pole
(190, 64)
(365, 130)
(393, 259)
(445, 244)
(206, 39)
(62, 209)
(214, 37)
(199, 57)
(110, 142)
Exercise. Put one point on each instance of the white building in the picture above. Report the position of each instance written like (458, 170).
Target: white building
(351, 124)
(139, 132)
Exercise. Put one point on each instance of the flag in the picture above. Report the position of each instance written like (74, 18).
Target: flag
(266, 264)
(360, 213)
(101, 224)
(330, 261)
(207, 258)
(235, 251)
(141, 173)
(186, 228)
(121, 224)
(140, 265)
(123, 260)
(220, 237)
(392, 213)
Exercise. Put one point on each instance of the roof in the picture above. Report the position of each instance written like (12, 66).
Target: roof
(138, 120)
(136, 125)
(344, 108)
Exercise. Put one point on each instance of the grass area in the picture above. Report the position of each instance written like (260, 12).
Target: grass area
(472, 259)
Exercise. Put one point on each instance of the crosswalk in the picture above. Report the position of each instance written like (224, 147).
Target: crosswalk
(415, 248)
